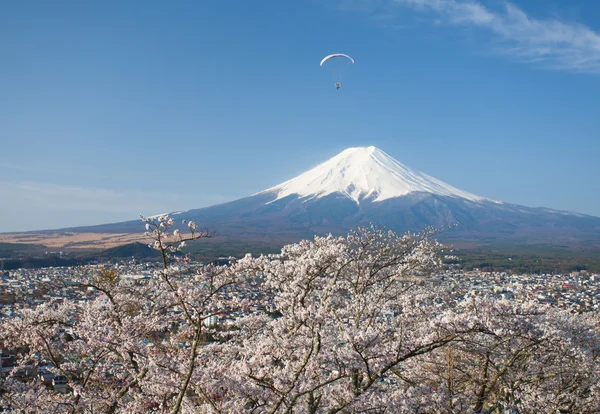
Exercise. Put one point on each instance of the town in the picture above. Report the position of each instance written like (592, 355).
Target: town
(577, 291)
(24, 289)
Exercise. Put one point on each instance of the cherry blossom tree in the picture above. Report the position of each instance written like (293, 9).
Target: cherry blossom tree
(356, 323)
(133, 347)
(519, 356)
(363, 323)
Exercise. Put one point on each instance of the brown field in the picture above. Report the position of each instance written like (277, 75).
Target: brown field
(74, 241)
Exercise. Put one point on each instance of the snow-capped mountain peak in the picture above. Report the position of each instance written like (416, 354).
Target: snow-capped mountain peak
(364, 172)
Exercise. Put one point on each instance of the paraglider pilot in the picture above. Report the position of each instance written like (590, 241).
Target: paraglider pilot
(337, 85)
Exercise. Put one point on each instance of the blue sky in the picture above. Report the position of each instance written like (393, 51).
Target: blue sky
(110, 109)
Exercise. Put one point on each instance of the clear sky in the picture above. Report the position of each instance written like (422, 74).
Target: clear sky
(113, 108)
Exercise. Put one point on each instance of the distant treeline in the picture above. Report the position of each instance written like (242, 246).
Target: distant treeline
(516, 259)
(138, 251)
(39, 262)
(524, 261)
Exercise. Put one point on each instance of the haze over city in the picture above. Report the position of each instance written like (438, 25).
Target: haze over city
(113, 109)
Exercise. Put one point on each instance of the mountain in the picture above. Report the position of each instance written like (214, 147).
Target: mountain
(365, 185)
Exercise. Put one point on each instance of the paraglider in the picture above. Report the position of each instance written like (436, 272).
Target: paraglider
(338, 62)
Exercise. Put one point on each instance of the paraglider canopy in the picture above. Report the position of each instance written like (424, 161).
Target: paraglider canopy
(338, 62)
(326, 58)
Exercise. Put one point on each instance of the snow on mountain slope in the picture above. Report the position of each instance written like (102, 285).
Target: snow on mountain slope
(365, 172)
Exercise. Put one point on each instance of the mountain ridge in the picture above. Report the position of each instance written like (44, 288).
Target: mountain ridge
(364, 185)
